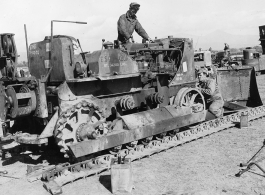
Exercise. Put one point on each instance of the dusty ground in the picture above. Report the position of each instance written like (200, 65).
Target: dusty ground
(206, 166)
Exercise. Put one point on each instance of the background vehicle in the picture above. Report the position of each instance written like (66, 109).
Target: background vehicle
(254, 59)
(202, 59)
(247, 57)
(221, 60)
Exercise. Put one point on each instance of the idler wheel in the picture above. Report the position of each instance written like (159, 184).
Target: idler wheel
(33, 99)
(21, 101)
(12, 99)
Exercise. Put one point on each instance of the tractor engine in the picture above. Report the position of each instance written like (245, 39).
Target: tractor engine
(164, 55)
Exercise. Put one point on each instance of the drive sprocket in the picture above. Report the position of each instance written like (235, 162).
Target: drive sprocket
(82, 121)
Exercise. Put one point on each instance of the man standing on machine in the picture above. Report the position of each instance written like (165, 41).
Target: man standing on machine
(128, 22)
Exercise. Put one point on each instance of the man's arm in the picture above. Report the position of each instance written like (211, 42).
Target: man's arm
(209, 88)
(122, 28)
(139, 29)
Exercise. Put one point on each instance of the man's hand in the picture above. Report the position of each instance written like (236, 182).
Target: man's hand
(131, 37)
(150, 40)
(197, 86)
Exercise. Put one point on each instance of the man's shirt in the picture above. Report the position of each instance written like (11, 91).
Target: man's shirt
(126, 26)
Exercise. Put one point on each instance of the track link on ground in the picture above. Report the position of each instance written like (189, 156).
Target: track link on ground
(56, 178)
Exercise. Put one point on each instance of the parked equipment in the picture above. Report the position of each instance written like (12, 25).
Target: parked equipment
(248, 57)
(220, 59)
(202, 59)
(254, 59)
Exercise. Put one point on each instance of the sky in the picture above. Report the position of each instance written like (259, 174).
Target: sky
(160, 18)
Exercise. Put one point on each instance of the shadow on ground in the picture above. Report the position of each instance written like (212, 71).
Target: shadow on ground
(105, 180)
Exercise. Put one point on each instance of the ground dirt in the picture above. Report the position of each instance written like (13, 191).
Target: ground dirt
(205, 167)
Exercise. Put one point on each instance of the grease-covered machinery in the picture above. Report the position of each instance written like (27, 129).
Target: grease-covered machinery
(107, 99)
(16, 98)
(112, 97)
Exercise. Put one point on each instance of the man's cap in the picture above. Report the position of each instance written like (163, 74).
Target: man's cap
(202, 70)
(134, 4)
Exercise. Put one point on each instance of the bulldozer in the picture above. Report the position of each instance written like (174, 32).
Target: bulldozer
(89, 102)
(254, 59)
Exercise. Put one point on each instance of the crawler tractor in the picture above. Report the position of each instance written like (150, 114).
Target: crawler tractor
(251, 57)
(118, 96)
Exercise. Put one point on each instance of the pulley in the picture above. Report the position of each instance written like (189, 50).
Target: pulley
(155, 98)
(127, 103)
(22, 100)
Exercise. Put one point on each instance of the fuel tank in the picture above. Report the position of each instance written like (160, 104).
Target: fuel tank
(109, 62)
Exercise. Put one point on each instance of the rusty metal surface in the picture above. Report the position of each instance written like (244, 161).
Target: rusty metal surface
(154, 116)
(41, 109)
(202, 59)
(133, 47)
(109, 97)
(3, 108)
(186, 70)
(110, 62)
(124, 136)
(39, 54)
(67, 98)
(48, 130)
(18, 102)
(107, 86)
(30, 139)
(239, 84)
(37, 173)
(101, 163)
(162, 88)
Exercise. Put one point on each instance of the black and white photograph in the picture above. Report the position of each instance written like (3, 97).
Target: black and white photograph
(102, 97)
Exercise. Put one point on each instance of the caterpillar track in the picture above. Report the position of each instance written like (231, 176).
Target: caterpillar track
(57, 177)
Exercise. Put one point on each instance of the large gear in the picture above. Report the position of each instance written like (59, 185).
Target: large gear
(82, 121)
